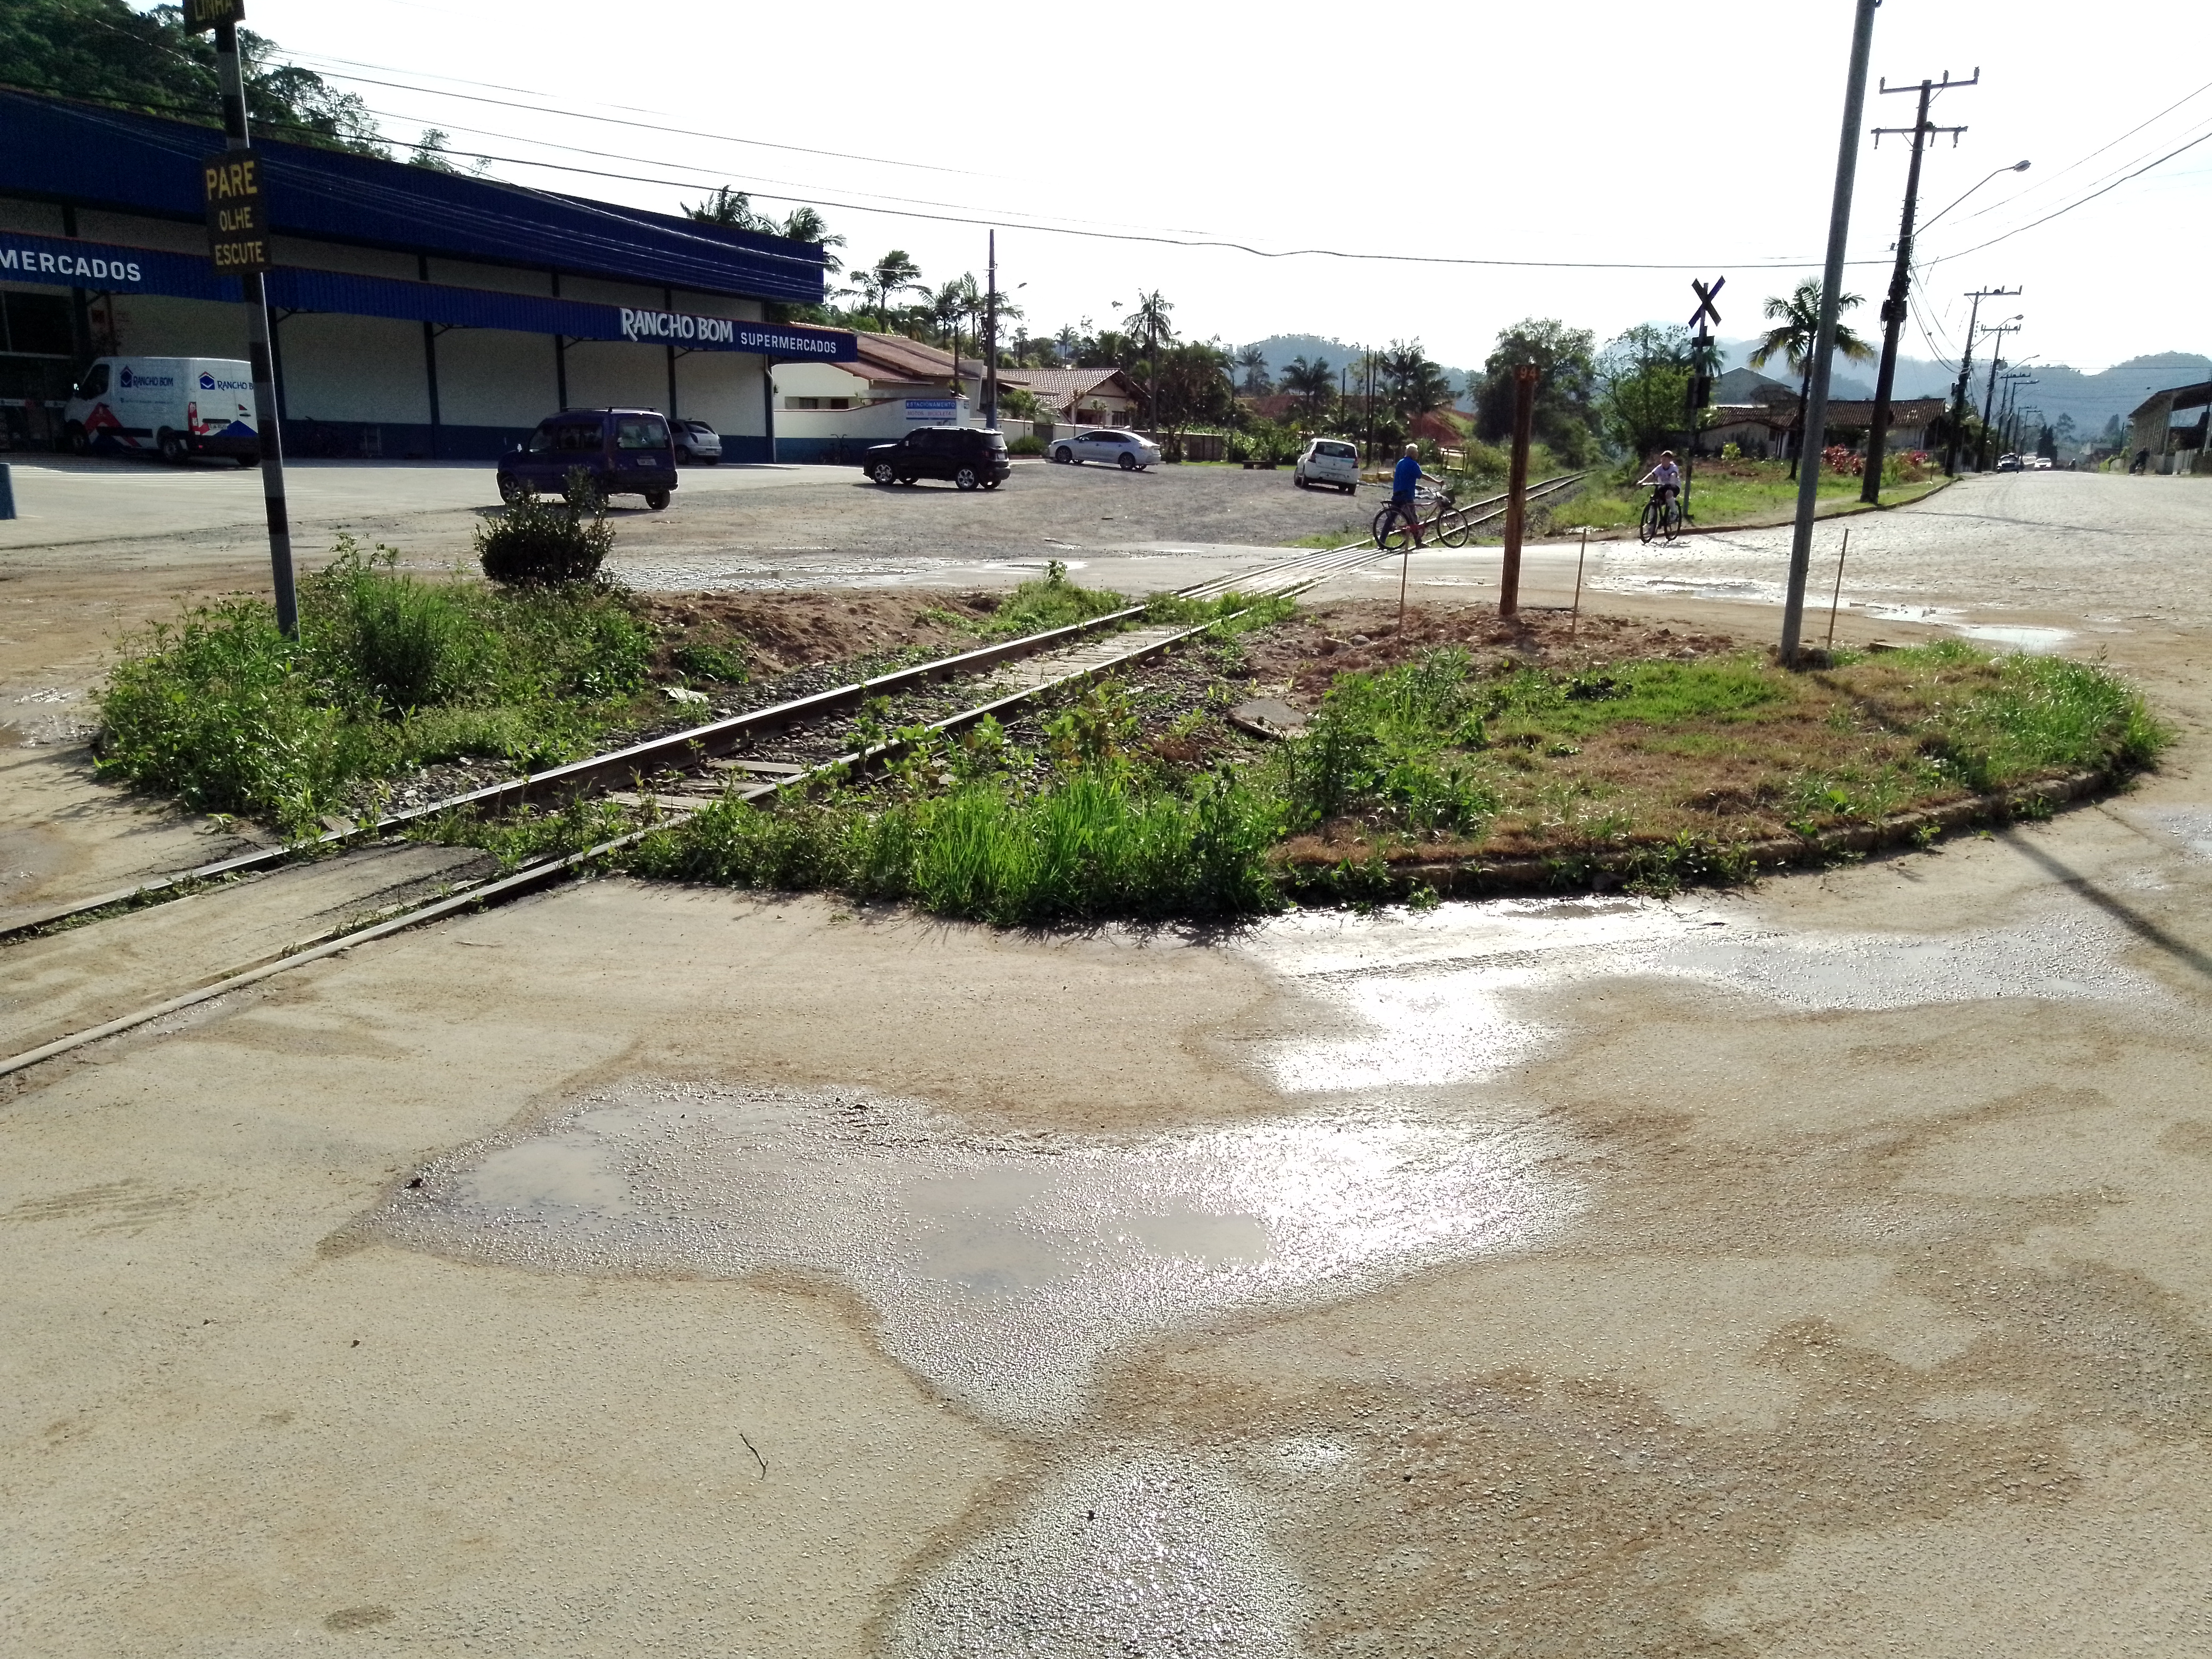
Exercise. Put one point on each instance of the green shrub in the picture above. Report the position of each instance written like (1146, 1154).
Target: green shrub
(1051, 601)
(536, 544)
(1031, 444)
(704, 659)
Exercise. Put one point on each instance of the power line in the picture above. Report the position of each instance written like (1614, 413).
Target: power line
(2070, 206)
(2051, 178)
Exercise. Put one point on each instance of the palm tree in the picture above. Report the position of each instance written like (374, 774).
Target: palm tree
(957, 300)
(1254, 363)
(1797, 335)
(895, 273)
(1150, 319)
(1413, 386)
(1311, 382)
(803, 224)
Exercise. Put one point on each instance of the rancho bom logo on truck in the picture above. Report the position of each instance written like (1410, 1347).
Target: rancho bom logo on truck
(175, 407)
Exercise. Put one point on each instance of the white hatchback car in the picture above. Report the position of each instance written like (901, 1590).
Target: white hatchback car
(1127, 450)
(1329, 461)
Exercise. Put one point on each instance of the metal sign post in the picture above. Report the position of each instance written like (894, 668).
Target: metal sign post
(238, 242)
(1701, 375)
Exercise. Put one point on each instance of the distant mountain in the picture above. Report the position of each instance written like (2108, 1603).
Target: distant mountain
(2091, 399)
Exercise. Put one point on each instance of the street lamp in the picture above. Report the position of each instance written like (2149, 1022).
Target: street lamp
(2017, 167)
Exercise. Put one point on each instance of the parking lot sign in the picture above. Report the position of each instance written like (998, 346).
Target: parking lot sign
(238, 228)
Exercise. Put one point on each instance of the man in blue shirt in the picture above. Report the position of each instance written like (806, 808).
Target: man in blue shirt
(1403, 482)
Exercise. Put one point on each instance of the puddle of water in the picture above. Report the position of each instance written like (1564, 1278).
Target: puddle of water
(1140, 1553)
(1449, 997)
(1001, 1268)
(2033, 640)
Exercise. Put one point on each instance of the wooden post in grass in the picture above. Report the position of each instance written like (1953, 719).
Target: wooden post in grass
(1516, 488)
(1574, 622)
(1837, 598)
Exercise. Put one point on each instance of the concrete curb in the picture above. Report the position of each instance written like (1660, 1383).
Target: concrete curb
(1467, 878)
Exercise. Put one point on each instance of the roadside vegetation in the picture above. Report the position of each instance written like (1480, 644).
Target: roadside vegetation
(1663, 770)
(1732, 491)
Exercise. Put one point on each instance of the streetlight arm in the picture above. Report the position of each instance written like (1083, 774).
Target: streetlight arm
(2017, 167)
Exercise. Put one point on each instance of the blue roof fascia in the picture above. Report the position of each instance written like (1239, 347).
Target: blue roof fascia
(56, 149)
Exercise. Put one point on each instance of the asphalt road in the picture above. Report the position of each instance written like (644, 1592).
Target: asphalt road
(1818, 1270)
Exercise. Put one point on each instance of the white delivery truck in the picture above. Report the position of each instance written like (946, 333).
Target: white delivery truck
(175, 407)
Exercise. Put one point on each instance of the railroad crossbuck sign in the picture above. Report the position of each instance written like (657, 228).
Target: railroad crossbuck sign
(208, 14)
(237, 230)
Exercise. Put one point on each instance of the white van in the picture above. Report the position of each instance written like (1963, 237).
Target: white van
(176, 407)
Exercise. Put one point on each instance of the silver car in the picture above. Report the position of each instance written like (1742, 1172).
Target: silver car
(1129, 451)
(697, 444)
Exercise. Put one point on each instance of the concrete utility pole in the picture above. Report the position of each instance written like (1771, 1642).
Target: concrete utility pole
(1823, 347)
(1516, 488)
(1983, 453)
(1900, 280)
(1966, 376)
(224, 19)
(990, 341)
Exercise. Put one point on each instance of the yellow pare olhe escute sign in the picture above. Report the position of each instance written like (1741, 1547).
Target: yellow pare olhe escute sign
(238, 231)
(207, 13)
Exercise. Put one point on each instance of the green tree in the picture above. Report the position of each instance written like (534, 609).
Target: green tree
(1253, 381)
(734, 208)
(1566, 386)
(1797, 334)
(1644, 381)
(1313, 383)
(1409, 385)
(878, 284)
(433, 153)
(104, 52)
(1149, 322)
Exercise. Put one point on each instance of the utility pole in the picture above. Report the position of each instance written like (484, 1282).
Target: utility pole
(990, 341)
(1966, 376)
(1983, 453)
(1824, 348)
(1701, 372)
(1900, 280)
(239, 245)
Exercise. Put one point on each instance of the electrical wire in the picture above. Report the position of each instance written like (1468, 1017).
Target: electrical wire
(2070, 206)
(2051, 178)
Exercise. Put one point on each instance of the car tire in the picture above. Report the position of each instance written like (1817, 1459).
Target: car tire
(171, 447)
(78, 438)
(992, 483)
(965, 478)
(1351, 489)
(656, 501)
(1299, 479)
(1063, 455)
(1128, 462)
(247, 461)
(512, 490)
(882, 472)
(906, 477)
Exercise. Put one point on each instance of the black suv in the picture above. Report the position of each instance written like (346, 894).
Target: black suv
(969, 456)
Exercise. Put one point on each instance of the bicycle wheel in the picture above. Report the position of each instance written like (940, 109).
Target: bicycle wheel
(1390, 532)
(1672, 526)
(1649, 526)
(1453, 529)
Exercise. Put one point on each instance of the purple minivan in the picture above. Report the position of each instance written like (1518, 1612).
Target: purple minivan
(628, 452)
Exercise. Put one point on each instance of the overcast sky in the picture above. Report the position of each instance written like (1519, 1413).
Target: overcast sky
(1698, 136)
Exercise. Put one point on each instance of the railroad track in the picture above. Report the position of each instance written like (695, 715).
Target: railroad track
(756, 754)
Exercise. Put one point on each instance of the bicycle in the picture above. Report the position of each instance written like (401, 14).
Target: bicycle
(1451, 526)
(1662, 517)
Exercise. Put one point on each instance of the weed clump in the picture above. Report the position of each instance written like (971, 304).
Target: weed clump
(388, 673)
(536, 544)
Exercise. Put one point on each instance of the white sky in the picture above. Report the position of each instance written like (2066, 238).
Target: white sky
(1699, 135)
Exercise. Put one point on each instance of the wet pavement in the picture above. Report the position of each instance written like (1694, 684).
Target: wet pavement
(1808, 1271)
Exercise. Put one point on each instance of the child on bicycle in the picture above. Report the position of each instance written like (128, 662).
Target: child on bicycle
(1666, 478)
(1405, 480)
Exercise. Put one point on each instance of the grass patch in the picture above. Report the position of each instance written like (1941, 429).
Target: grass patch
(388, 673)
(1050, 601)
(1668, 770)
(1721, 492)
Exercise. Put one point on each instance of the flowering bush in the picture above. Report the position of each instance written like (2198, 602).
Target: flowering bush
(1839, 459)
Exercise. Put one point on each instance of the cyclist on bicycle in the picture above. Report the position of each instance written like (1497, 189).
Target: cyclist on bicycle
(1666, 478)
(1405, 480)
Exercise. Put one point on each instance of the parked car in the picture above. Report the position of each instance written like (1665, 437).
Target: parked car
(1127, 450)
(965, 456)
(2039, 462)
(2007, 463)
(175, 407)
(697, 443)
(1328, 461)
(627, 452)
